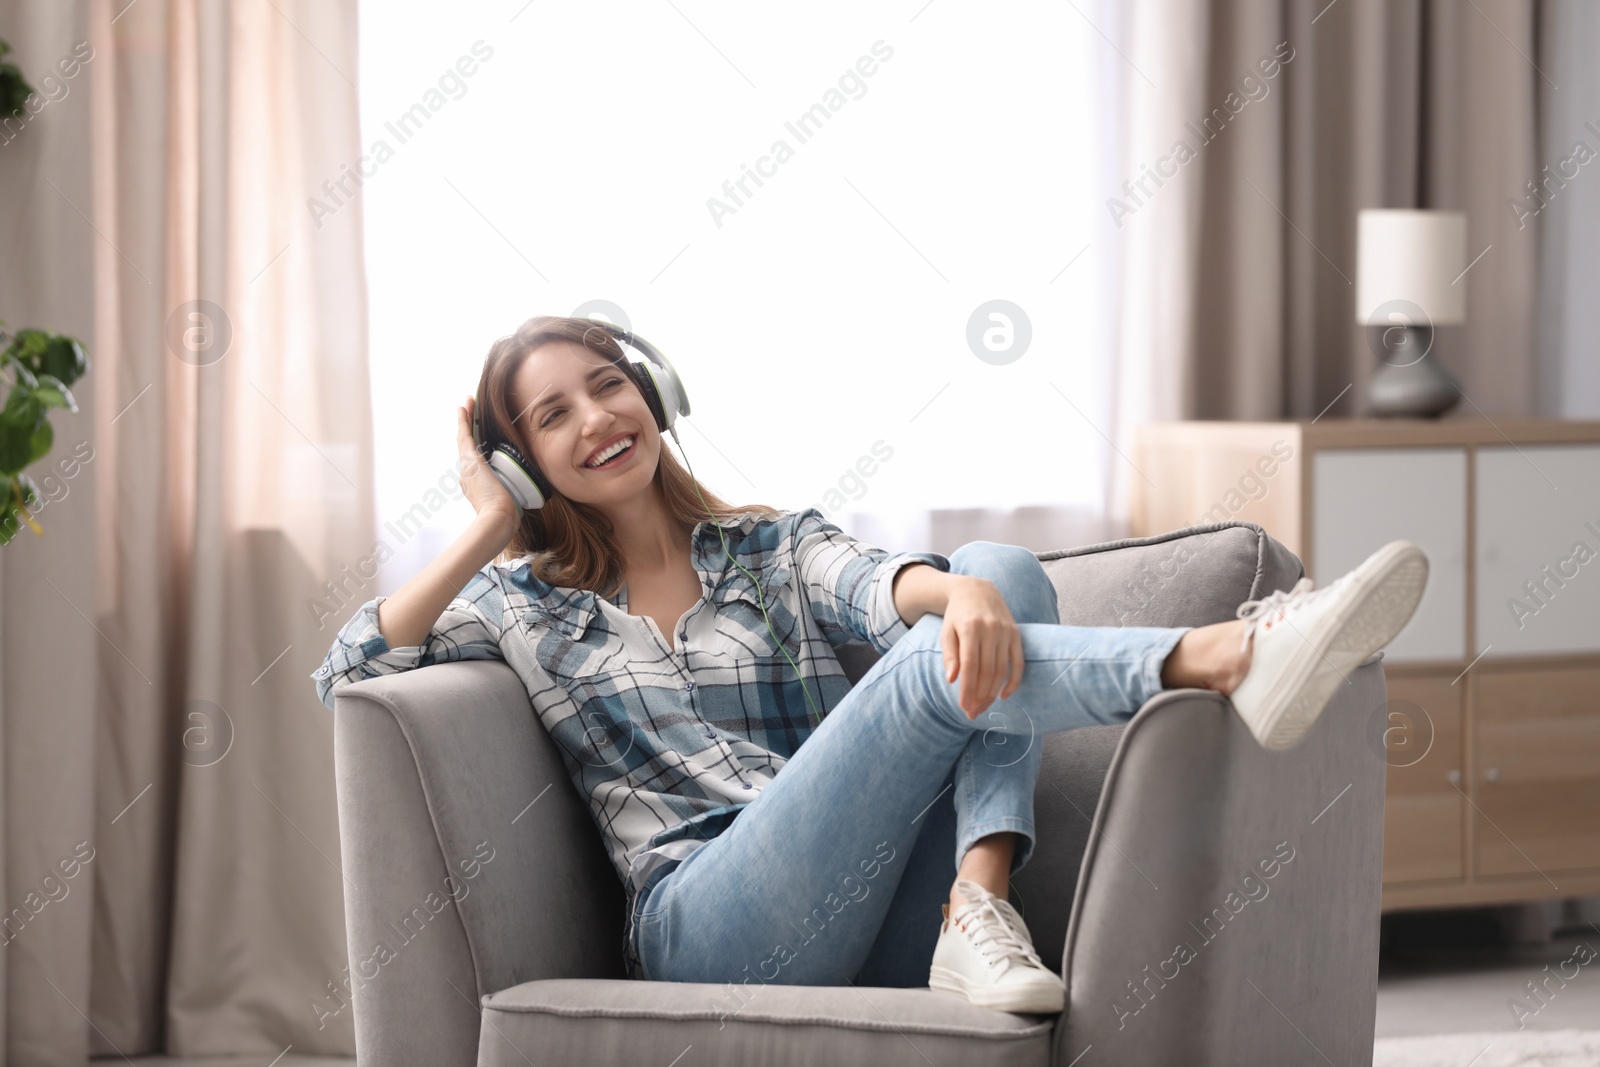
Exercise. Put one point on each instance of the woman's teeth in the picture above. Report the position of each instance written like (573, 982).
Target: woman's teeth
(612, 452)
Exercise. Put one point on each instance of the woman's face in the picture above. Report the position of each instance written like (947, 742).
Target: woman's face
(585, 423)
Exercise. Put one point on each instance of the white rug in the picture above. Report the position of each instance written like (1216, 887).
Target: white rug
(1514, 1048)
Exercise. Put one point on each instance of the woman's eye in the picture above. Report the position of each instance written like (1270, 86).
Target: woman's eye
(552, 413)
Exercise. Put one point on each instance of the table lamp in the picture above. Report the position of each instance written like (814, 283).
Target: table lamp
(1409, 268)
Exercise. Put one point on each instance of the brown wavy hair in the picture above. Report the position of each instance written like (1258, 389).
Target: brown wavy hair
(568, 543)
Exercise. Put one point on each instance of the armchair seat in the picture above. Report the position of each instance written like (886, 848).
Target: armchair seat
(578, 1020)
(1207, 902)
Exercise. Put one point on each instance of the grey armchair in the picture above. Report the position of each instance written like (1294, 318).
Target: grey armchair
(1207, 901)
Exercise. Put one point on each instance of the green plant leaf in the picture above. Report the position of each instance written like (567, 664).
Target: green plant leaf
(25, 377)
(16, 448)
(65, 359)
(14, 88)
(39, 443)
(30, 492)
(53, 394)
(22, 407)
(34, 344)
(17, 490)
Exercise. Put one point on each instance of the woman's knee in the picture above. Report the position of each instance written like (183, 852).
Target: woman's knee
(1016, 572)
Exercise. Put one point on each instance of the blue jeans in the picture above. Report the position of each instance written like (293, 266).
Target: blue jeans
(837, 870)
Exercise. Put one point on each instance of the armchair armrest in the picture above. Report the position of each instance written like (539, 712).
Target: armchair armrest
(1188, 577)
(1228, 900)
(470, 863)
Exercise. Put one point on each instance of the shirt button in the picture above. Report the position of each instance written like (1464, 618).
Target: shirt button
(688, 687)
(711, 733)
(747, 785)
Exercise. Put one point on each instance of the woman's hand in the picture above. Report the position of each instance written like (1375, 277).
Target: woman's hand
(488, 497)
(981, 642)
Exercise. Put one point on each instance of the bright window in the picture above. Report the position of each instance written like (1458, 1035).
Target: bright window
(931, 160)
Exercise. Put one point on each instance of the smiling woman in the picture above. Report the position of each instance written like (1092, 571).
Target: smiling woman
(545, 388)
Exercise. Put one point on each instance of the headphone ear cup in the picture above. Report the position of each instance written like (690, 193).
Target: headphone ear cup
(521, 477)
(671, 383)
(648, 385)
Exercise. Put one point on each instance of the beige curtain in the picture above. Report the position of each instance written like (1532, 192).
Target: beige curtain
(1569, 264)
(1245, 307)
(157, 704)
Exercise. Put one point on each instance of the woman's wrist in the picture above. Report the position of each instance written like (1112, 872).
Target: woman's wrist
(491, 531)
(495, 525)
(406, 617)
(922, 589)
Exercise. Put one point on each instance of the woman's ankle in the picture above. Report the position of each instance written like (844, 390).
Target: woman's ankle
(988, 864)
(1208, 657)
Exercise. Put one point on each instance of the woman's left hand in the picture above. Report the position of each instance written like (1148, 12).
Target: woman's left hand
(982, 644)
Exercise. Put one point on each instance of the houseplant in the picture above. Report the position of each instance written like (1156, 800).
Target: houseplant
(43, 365)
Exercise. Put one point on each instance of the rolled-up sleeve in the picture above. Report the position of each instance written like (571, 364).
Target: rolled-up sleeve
(849, 584)
(470, 627)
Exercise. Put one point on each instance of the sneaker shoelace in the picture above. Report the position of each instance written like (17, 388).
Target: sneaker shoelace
(993, 923)
(1268, 609)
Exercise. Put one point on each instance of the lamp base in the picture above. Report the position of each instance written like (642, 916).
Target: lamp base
(1419, 388)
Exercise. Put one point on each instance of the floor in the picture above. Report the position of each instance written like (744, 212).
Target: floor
(289, 1060)
(1440, 973)
(1457, 972)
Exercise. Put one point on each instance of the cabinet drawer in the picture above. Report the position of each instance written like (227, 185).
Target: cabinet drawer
(1538, 549)
(1537, 770)
(1422, 828)
(1367, 497)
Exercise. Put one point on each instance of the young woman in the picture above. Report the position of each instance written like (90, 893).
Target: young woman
(768, 819)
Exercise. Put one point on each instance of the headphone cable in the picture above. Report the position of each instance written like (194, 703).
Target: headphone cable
(760, 596)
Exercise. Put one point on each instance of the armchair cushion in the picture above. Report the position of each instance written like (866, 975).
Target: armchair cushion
(634, 1022)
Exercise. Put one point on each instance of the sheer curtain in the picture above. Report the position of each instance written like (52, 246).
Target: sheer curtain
(1148, 237)
(159, 639)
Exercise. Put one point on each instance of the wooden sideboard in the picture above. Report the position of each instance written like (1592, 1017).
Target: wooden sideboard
(1492, 728)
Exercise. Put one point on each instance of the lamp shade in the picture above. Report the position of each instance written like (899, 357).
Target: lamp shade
(1409, 262)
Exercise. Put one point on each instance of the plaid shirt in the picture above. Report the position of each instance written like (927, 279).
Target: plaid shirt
(666, 745)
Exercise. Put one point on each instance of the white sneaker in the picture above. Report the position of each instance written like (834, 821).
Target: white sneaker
(1307, 643)
(986, 953)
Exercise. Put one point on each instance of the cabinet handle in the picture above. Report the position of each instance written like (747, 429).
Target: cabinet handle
(1453, 776)
(1492, 774)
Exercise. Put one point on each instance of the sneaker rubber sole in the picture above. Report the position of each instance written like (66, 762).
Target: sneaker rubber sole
(1031, 999)
(1388, 593)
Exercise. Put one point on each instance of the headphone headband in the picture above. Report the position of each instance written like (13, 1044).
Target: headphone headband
(672, 399)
